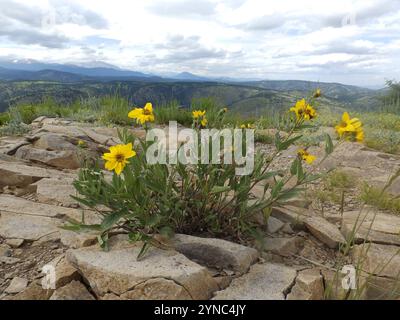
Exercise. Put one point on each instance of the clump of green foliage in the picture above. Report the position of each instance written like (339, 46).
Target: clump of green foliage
(334, 186)
(146, 199)
(380, 199)
(172, 112)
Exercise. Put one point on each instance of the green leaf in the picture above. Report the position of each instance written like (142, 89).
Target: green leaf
(220, 189)
(294, 167)
(145, 248)
(135, 236)
(286, 144)
(277, 188)
(103, 241)
(167, 231)
(328, 144)
(111, 219)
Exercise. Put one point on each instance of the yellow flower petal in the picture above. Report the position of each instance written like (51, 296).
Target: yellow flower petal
(119, 167)
(110, 165)
(148, 107)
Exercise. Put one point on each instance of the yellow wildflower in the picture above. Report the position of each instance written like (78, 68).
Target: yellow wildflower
(142, 115)
(350, 128)
(303, 110)
(116, 159)
(304, 155)
(225, 110)
(204, 122)
(81, 143)
(317, 93)
(198, 114)
(359, 135)
(247, 126)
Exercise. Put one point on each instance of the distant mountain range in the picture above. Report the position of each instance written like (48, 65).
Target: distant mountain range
(99, 79)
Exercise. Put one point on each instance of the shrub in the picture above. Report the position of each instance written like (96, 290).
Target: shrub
(145, 199)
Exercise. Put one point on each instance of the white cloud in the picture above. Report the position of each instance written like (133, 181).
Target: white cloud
(351, 41)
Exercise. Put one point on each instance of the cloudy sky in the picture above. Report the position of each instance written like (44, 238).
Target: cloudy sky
(349, 41)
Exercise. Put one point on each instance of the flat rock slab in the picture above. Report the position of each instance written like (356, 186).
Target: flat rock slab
(60, 159)
(54, 142)
(17, 173)
(16, 205)
(27, 227)
(370, 225)
(380, 269)
(56, 191)
(216, 253)
(372, 166)
(263, 282)
(119, 272)
(76, 240)
(377, 259)
(291, 214)
(325, 231)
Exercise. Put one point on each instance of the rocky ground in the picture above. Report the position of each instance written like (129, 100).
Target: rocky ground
(299, 261)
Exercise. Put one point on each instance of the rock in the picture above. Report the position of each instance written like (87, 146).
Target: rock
(119, 272)
(77, 240)
(26, 227)
(334, 218)
(283, 246)
(33, 292)
(15, 243)
(216, 253)
(309, 286)
(371, 225)
(60, 159)
(64, 271)
(287, 228)
(69, 131)
(11, 148)
(263, 282)
(293, 215)
(99, 138)
(374, 167)
(157, 289)
(12, 175)
(72, 291)
(56, 191)
(17, 285)
(5, 250)
(274, 225)
(39, 120)
(9, 260)
(299, 202)
(16, 205)
(18, 174)
(54, 142)
(325, 231)
(380, 269)
(334, 289)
